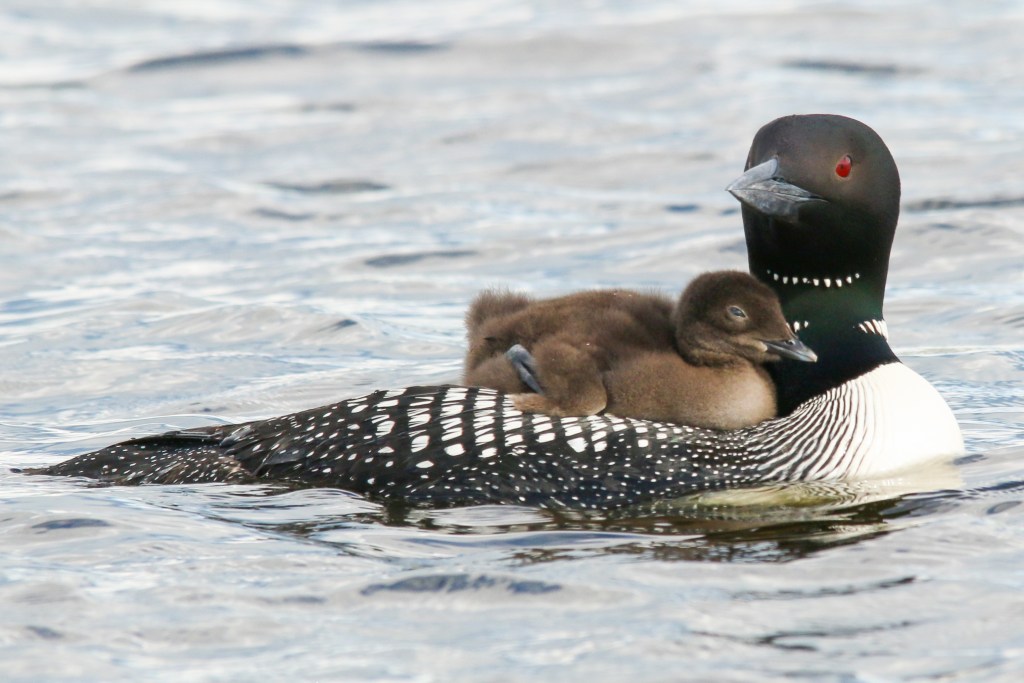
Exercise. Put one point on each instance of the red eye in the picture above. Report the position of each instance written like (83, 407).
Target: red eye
(844, 166)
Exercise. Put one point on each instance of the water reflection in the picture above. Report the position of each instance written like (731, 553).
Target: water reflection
(778, 523)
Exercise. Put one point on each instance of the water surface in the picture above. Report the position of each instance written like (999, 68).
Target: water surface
(218, 211)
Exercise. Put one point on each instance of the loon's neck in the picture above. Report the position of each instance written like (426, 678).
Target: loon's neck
(840, 317)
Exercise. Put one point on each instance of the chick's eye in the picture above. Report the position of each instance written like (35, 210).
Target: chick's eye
(844, 166)
(737, 312)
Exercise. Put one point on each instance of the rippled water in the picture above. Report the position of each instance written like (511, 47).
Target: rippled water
(215, 211)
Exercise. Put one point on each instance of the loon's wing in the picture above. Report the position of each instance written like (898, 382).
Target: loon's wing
(438, 446)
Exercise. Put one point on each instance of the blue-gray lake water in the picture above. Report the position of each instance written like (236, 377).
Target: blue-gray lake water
(216, 210)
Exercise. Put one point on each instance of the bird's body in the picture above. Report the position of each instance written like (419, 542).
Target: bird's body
(820, 202)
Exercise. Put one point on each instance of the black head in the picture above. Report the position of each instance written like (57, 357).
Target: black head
(732, 314)
(820, 197)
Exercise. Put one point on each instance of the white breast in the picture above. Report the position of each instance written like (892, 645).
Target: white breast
(885, 421)
(911, 421)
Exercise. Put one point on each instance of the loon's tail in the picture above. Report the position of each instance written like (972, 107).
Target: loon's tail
(182, 457)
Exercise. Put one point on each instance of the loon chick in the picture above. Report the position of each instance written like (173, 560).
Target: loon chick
(820, 202)
(631, 354)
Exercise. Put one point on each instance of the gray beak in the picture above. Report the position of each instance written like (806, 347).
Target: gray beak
(761, 189)
(792, 348)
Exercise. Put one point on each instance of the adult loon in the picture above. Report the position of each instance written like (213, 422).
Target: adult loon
(820, 202)
(633, 354)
